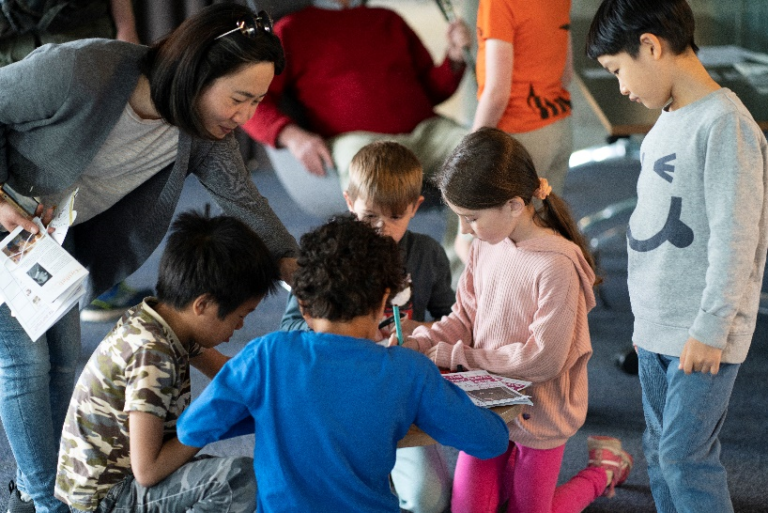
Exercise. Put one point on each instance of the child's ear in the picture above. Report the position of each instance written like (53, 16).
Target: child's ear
(350, 203)
(203, 303)
(383, 306)
(516, 205)
(416, 205)
(651, 44)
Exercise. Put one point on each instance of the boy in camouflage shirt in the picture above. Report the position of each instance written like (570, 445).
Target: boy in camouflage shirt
(119, 447)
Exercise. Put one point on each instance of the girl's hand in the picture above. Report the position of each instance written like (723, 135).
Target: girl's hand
(409, 343)
(699, 357)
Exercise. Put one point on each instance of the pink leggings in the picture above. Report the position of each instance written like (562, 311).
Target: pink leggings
(525, 476)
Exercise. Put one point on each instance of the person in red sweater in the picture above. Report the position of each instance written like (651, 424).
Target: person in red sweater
(521, 311)
(359, 74)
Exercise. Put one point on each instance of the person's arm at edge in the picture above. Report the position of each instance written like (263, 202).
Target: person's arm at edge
(731, 222)
(125, 20)
(455, 327)
(209, 361)
(439, 81)
(151, 459)
(493, 101)
(238, 196)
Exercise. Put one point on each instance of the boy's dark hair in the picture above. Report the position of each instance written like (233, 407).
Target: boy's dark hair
(219, 256)
(181, 66)
(618, 25)
(345, 268)
(387, 174)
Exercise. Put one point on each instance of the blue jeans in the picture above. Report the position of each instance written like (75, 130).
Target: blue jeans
(36, 383)
(683, 416)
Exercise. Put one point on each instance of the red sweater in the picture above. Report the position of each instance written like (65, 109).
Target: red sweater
(354, 69)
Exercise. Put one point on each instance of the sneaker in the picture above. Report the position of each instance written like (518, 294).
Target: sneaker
(15, 504)
(606, 452)
(109, 306)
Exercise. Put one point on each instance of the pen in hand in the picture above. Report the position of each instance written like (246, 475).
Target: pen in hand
(398, 326)
(389, 320)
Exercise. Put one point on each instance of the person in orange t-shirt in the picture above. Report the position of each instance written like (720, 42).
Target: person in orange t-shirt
(524, 65)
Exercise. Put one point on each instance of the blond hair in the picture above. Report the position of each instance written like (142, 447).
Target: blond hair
(387, 174)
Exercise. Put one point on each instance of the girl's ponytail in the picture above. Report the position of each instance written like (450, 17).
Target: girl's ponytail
(555, 214)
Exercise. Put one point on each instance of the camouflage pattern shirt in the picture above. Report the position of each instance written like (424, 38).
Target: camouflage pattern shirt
(139, 366)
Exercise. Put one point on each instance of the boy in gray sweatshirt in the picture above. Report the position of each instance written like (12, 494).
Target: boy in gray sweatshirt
(697, 243)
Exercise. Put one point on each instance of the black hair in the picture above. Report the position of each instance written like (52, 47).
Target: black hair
(345, 268)
(218, 256)
(488, 168)
(184, 64)
(618, 25)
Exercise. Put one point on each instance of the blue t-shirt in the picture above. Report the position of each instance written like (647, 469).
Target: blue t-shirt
(327, 412)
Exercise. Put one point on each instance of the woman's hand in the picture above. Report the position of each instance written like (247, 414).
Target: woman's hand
(11, 217)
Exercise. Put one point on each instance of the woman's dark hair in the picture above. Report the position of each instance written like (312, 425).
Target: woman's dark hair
(218, 256)
(488, 168)
(345, 268)
(618, 25)
(181, 66)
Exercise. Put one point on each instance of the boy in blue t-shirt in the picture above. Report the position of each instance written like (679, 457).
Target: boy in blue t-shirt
(385, 180)
(328, 406)
(696, 243)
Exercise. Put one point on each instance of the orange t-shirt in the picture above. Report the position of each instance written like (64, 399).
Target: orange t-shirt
(538, 31)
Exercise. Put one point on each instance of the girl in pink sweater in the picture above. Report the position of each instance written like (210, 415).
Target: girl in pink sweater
(521, 311)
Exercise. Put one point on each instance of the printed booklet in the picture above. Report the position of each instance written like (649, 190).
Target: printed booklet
(39, 279)
(490, 390)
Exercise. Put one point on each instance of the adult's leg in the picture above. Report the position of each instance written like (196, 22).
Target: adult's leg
(550, 148)
(422, 480)
(686, 458)
(478, 484)
(203, 485)
(36, 381)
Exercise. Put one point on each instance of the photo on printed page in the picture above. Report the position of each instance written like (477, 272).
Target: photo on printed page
(38, 273)
(20, 245)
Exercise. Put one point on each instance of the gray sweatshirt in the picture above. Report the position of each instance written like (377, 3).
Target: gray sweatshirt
(697, 239)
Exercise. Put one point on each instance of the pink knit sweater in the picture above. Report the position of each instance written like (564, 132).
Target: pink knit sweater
(521, 311)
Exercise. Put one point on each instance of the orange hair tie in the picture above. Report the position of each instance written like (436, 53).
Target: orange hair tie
(544, 189)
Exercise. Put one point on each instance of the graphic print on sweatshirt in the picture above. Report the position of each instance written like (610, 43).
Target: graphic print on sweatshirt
(674, 230)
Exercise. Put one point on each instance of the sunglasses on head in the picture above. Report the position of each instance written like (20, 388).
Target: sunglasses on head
(250, 25)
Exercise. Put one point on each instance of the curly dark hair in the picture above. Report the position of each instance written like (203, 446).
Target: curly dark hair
(345, 268)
